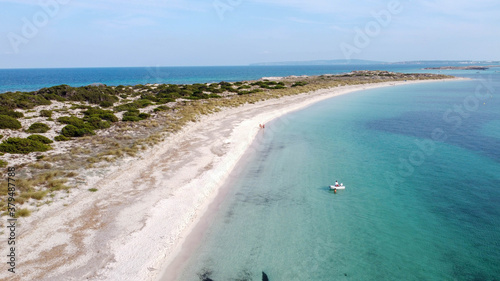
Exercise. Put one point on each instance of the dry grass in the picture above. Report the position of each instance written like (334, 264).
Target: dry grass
(40, 165)
(36, 187)
(23, 213)
(37, 195)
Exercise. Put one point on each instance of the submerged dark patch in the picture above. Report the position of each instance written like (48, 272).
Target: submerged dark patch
(462, 132)
(205, 274)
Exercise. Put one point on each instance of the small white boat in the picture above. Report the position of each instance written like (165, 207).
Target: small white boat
(340, 186)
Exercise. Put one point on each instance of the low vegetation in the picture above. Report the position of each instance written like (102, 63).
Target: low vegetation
(8, 122)
(23, 146)
(40, 138)
(45, 113)
(38, 128)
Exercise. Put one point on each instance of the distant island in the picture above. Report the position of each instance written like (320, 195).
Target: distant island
(472, 67)
(445, 63)
(320, 62)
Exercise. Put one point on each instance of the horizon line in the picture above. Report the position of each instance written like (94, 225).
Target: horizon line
(258, 64)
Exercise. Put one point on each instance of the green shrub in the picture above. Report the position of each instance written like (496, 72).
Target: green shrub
(134, 115)
(149, 96)
(79, 106)
(61, 138)
(93, 120)
(91, 94)
(22, 146)
(7, 122)
(73, 131)
(165, 100)
(22, 100)
(3, 163)
(38, 128)
(70, 131)
(10, 112)
(106, 104)
(300, 83)
(108, 116)
(40, 138)
(100, 113)
(249, 92)
(97, 123)
(144, 115)
(1, 137)
(198, 95)
(141, 103)
(72, 120)
(45, 113)
(125, 107)
(161, 108)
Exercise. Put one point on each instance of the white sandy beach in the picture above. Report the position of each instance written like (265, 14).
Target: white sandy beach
(133, 226)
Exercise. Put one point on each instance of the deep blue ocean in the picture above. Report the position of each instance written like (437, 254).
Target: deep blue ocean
(34, 79)
(421, 164)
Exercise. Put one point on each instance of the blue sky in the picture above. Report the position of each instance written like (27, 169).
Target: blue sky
(99, 33)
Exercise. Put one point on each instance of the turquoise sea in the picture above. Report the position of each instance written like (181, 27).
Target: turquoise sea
(422, 168)
(421, 164)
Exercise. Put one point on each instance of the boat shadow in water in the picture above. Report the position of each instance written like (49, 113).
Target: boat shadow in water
(327, 189)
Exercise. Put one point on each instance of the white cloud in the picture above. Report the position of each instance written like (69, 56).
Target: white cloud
(463, 8)
(124, 23)
(338, 28)
(118, 5)
(305, 21)
(354, 8)
(312, 5)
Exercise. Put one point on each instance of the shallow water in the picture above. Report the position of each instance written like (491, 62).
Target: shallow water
(415, 208)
